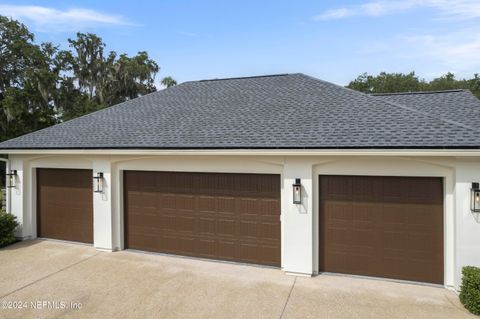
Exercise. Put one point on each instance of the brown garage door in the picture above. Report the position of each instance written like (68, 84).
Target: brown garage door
(220, 216)
(382, 226)
(65, 204)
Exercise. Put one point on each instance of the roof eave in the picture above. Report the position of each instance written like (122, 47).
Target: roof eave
(454, 151)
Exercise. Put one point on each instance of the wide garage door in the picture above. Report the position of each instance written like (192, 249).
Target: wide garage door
(232, 217)
(382, 226)
(65, 204)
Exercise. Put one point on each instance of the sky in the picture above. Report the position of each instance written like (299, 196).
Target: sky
(332, 40)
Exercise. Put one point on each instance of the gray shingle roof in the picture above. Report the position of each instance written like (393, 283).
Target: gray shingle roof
(281, 111)
(460, 106)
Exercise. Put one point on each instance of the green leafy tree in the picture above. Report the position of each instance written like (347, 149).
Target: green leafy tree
(41, 85)
(168, 81)
(387, 83)
(27, 81)
(87, 63)
(400, 82)
(100, 81)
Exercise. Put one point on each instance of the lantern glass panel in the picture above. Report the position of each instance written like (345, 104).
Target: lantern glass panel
(476, 200)
(297, 192)
(98, 183)
(11, 179)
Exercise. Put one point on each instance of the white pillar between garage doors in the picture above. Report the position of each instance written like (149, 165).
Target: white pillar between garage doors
(102, 207)
(19, 200)
(297, 219)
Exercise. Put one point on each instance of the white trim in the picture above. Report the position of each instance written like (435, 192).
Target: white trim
(297, 274)
(7, 189)
(238, 152)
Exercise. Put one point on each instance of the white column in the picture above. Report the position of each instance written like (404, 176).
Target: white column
(102, 207)
(467, 223)
(297, 219)
(18, 198)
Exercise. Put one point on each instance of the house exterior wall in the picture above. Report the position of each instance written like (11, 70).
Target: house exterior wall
(299, 230)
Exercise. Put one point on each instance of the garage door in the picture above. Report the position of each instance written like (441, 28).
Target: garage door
(232, 217)
(382, 226)
(65, 204)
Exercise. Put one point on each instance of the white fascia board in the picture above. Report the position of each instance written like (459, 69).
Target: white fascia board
(262, 152)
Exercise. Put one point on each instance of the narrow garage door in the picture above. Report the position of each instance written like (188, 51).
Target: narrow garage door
(382, 226)
(65, 204)
(232, 217)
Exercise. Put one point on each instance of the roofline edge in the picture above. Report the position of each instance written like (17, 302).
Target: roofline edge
(249, 152)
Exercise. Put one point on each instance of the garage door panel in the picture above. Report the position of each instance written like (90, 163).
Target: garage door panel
(65, 204)
(185, 202)
(269, 253)
(185, 245)
(247, 229)
(185, 223)
(226, 227)
(339, 212)
(206, 248)
(206, 225)
(382, 226)
(248, 252)
(166, 242)
(250, 206)
(144, 220)
(220, 216)
(269, 230)
(226, 250)
(225, 205)
(166, 201)
(210, 204)
(148, 199)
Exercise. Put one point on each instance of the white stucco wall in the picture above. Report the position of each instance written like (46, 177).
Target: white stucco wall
(299, 222)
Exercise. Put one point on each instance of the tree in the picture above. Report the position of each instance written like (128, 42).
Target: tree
(387, 83)
(41, 85)
(168, 81)
(88, 63)
(27, 80)
(399, 82)
(106, 80)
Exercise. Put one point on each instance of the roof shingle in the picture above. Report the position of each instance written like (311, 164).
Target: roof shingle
(282, 111)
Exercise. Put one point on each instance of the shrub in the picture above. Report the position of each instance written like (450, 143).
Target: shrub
(8, 223)
(470, 289)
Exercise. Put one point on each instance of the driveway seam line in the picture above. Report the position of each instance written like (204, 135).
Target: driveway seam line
(288, 298)
(49, 275)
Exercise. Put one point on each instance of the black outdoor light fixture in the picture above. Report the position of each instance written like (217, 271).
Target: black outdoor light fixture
(475, 200)
(11, 178)
(98, 183)
(297, 191)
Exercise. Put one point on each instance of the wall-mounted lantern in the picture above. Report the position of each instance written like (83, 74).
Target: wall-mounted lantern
(475, 200)
(11, 178)
(297, 191)
(98, 183)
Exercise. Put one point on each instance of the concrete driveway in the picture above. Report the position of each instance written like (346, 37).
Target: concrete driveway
(73, 281)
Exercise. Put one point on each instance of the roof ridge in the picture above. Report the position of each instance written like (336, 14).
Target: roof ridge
(244, 77)
(418, 92)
